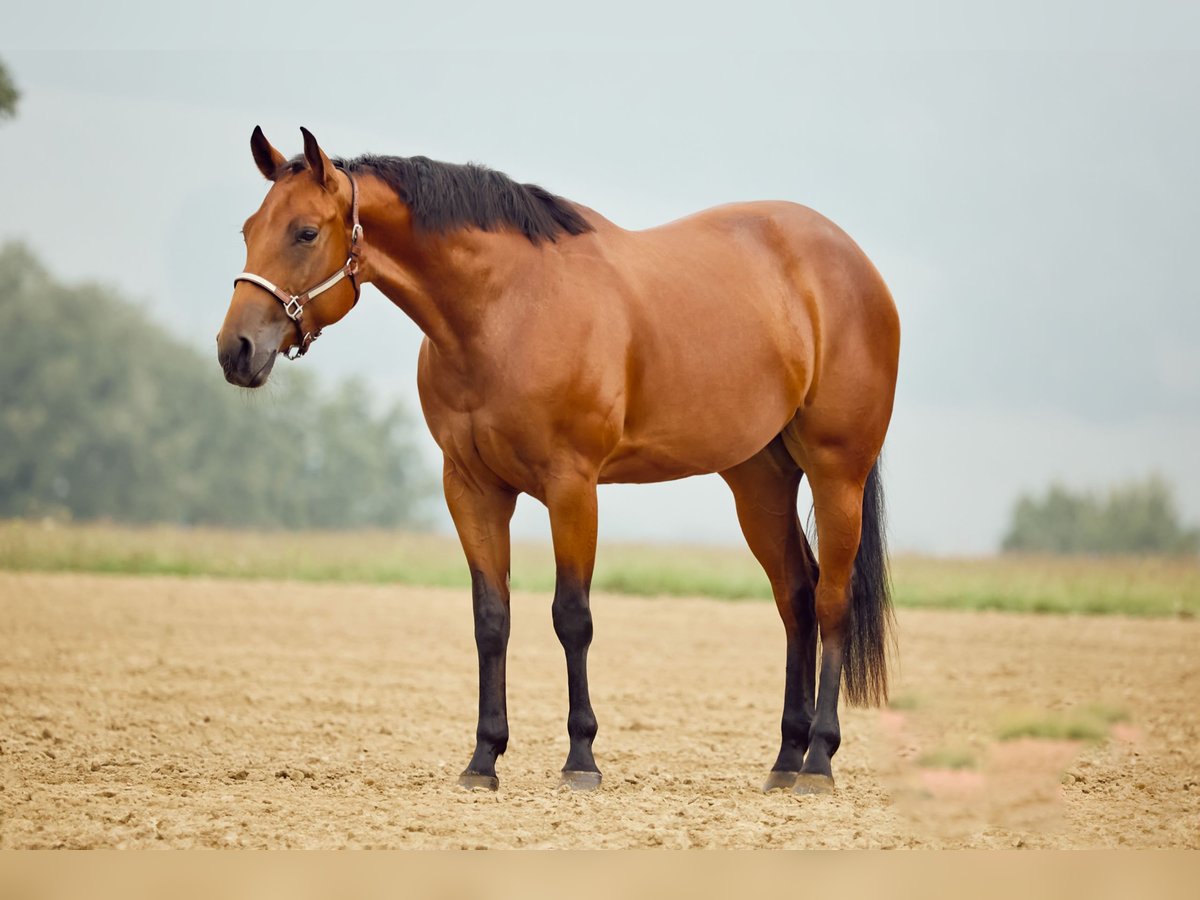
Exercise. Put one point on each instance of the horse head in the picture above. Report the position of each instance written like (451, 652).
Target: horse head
(302, 249)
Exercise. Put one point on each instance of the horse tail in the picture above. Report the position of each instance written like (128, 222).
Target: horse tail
(868, 633)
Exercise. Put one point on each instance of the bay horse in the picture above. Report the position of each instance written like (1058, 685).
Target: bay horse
(754, 340)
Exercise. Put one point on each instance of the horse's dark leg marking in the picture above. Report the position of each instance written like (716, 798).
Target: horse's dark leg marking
(481, 515)
(799, 695)
(837, 502)
(764, 489)
(573, 625)
(492, 622)
(573, 525)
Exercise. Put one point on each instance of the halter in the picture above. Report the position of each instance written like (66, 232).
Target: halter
(293, 304)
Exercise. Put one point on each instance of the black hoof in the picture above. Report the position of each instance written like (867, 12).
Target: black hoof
(780, 781)
(807, 783)
(473, 781)
(580, 781)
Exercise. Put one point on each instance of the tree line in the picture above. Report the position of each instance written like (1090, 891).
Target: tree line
(104, 414)
(1139, 517)
(9, 95)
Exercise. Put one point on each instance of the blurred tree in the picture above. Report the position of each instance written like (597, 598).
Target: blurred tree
(8, 94)
(105, 415)
(1136, 518)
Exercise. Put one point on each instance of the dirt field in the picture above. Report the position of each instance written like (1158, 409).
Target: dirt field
(152, 712)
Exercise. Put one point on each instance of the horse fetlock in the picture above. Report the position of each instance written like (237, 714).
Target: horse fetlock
(796, 727)
(491, 736)
(582, 725)
(825, 735)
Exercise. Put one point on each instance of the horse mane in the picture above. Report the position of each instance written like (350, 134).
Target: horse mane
(442, 197)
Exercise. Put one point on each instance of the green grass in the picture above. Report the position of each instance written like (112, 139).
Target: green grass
(1141, 587)
(1086, 723)
(1138, 586)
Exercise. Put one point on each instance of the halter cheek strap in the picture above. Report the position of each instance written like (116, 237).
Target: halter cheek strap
(293, 304)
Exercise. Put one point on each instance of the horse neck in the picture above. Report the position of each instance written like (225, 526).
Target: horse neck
(445, 283)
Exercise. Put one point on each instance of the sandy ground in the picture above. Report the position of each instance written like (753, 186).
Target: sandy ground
(156, 712)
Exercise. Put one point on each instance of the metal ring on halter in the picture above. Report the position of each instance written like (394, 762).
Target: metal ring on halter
(298, 350)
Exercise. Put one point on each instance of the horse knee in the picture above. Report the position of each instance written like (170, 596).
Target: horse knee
(492, 618)
(572, 616)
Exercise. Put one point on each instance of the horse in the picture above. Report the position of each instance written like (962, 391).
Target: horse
(753, 340)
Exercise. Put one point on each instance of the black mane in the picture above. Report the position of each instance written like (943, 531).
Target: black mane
(444, 196)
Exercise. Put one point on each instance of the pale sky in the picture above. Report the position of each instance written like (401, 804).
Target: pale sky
(1025, 179)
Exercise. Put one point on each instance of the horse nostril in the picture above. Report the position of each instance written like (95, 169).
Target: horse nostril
(245, 349)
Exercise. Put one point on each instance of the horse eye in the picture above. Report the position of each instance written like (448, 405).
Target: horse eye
(306, 235)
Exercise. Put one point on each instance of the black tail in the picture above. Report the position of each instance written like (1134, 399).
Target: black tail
(865, 651)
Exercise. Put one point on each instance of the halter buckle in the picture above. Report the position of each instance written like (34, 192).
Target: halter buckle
(294, 309)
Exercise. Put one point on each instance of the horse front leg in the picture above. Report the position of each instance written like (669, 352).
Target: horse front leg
(572, 507)
(481, 516)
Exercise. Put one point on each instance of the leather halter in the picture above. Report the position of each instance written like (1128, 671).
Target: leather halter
(293, 304)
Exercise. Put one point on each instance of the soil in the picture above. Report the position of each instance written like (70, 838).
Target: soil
(160, 712)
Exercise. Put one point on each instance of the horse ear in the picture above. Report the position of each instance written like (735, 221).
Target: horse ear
(318, 162)
(266, 157)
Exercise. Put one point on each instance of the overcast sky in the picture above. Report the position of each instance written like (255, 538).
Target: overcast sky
(1025, 180)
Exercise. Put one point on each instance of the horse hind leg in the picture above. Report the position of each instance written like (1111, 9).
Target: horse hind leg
(764, 490)
(852, 604)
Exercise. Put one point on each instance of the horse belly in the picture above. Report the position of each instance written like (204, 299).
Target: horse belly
(701, 426)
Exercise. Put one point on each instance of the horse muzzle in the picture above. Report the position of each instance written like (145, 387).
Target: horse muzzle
(245, 361)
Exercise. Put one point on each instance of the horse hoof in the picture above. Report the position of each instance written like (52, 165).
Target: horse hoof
(811, 783)
(580, 781)
(780, 781)
(473, 781)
